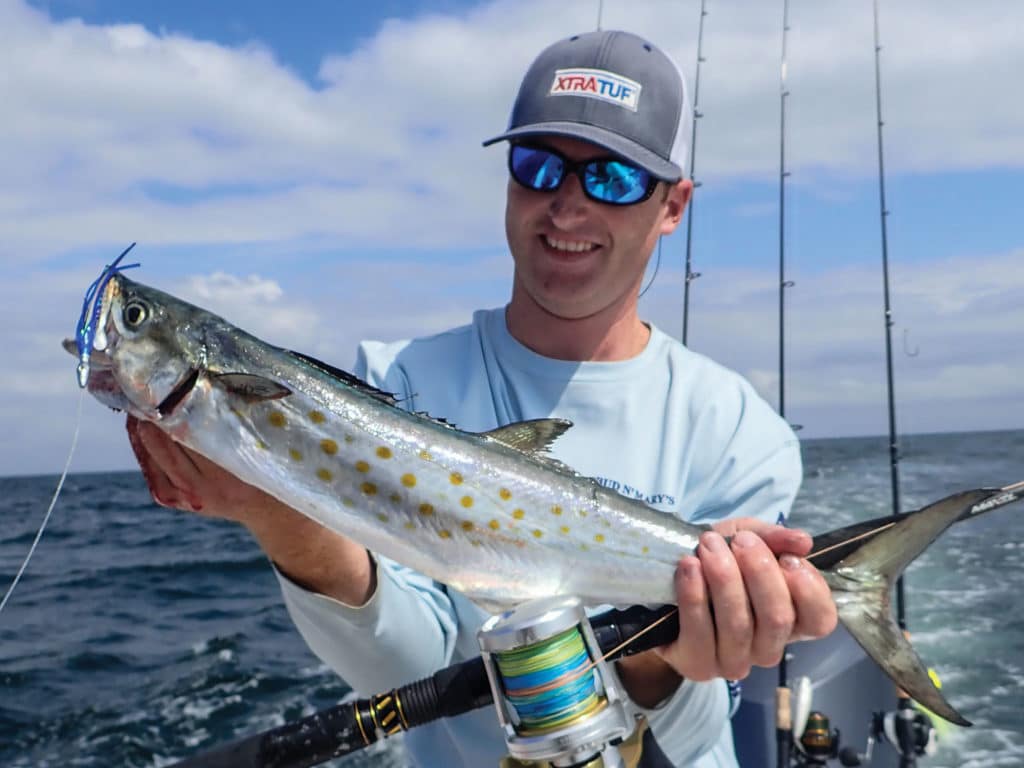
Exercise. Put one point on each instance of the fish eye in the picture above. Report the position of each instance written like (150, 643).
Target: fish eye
(135, 313)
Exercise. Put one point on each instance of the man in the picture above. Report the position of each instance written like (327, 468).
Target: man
(597, 144)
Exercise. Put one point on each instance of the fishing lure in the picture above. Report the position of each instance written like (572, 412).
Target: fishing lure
(88, 333)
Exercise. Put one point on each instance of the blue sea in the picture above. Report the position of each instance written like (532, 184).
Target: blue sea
(141, 635)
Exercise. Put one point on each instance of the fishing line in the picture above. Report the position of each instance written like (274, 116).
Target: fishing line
(53, 503)
(549, 683)
(657, 264)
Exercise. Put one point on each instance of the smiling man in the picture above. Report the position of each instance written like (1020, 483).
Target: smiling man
(596, 143)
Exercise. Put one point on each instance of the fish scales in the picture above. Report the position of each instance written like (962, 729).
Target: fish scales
(410, 490)
(488, 514)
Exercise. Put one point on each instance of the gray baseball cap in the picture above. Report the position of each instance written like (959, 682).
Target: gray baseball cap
(610, 88)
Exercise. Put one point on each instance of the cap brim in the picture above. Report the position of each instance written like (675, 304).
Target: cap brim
(656, 165)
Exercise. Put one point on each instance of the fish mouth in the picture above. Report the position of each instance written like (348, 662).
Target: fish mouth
(178, 394)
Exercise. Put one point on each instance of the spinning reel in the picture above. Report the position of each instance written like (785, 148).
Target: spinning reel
(557, 699)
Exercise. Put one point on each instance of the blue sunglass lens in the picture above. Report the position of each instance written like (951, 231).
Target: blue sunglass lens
(613, 182)
(537, 168)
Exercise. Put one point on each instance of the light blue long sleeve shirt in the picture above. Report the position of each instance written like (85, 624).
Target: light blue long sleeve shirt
(669, 427)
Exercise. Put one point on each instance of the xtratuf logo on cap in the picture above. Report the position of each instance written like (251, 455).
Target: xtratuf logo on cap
(597, 84)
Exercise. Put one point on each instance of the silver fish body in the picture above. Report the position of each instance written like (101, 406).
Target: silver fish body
(489, 514)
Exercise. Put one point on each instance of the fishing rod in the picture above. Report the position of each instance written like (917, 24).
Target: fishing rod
(455, 690)
(783, 713)
(690, 274)
(906, 746)
(548, 641)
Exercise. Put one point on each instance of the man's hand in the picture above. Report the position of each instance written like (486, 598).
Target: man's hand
(741, 602)
(182, 479)
(309, 554)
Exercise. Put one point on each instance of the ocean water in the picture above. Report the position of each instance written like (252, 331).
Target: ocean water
(141, 635)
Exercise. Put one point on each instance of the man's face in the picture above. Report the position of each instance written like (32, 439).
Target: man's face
(574, 256)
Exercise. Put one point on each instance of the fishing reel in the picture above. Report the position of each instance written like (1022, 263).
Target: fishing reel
(556, 697)
(818, 743)
(908, 730)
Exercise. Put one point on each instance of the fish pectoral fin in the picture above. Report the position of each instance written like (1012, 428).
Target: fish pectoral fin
(251, 387)
(868, 618)
(533, 436)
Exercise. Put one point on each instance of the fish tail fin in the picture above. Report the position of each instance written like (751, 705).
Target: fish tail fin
(862, 584)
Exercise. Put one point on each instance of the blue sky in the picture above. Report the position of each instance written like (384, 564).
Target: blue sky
(314, 173)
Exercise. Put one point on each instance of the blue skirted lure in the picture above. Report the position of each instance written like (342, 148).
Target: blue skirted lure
(92, 307)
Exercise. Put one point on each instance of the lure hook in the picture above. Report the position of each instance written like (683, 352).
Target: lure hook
(92, 306)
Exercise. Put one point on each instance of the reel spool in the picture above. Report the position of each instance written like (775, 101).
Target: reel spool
(556, 697)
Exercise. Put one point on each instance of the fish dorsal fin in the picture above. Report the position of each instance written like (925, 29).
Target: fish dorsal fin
(251, 387)
(534, 436)
(351, 380)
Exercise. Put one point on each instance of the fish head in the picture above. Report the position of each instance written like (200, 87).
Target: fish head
(147, 352)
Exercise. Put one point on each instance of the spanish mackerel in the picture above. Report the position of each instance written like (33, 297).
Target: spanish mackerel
(490, 514)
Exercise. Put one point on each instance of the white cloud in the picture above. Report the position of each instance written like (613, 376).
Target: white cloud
(102, 124)
(120, 132)
(962, 316)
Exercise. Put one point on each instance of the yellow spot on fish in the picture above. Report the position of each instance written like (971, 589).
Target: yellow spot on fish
(494, 525)
(296, 455)
(556, 510)
(262, 446)
(456, 478)
(444, 533)
(425, 455)
(329, 447)
(475, 542)
(277, 419)
(518, 514)
(324, 474)
(537, 533)
(408, 480)
(316, 417)
(426, 509)
(384, 452)
(564, 529)
(348, 502)
(466, 501)
(382, 517)
(467, 525)
(505, 493)
(409, 524)
(599, 537)
(362, 466)
(645, 550)
(395, 497)
(368, 488)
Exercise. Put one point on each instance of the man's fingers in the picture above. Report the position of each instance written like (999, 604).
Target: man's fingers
(160, 485)
(812, 599)
(170, 460)
(769, 598)
(734, 623)
(781, 540)
(778, 538)
(693, 654)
